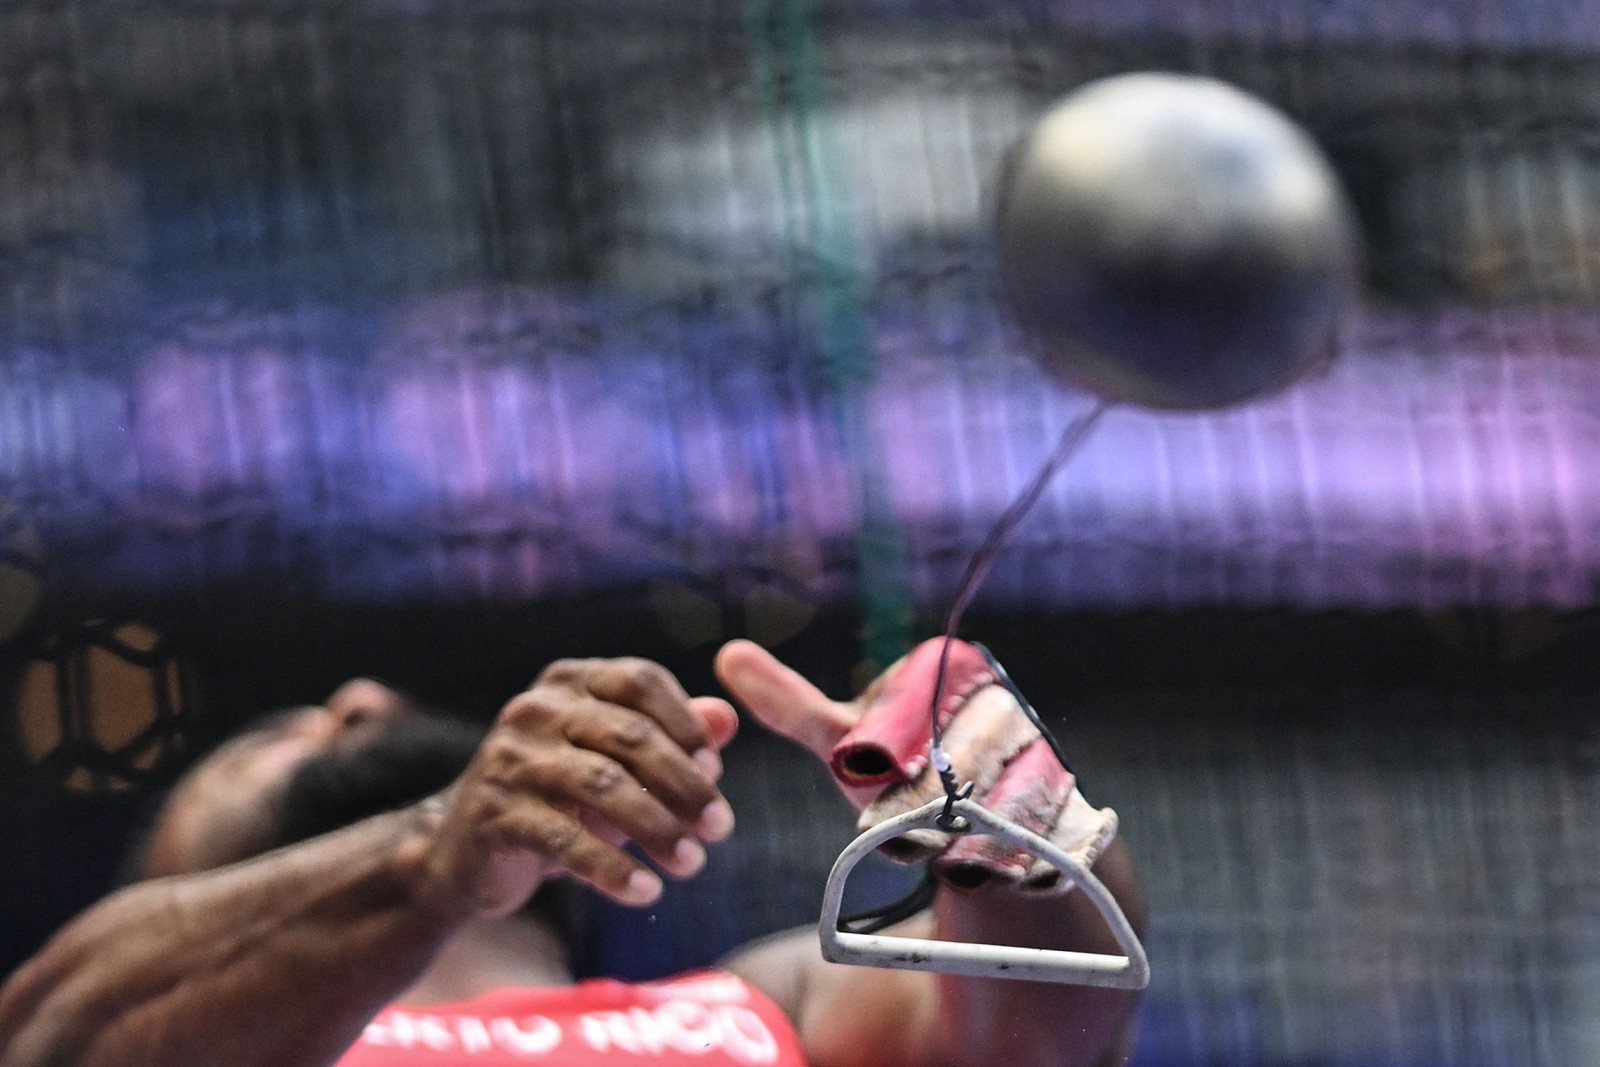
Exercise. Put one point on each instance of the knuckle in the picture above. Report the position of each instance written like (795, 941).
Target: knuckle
(477, 808)
(632, 732)
(635, 678)
(530, 710)
(601, 779)
(499, 758)
(562, 670)
(559, 836)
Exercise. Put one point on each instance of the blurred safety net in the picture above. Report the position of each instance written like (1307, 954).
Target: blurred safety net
(399, 305)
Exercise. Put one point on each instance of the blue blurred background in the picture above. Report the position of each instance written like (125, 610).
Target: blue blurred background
(434, 341)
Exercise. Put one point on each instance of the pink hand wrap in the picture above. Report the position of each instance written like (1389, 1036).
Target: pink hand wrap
(993, 745)
(890, 743)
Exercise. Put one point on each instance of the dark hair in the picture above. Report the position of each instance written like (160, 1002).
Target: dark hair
(408, 762)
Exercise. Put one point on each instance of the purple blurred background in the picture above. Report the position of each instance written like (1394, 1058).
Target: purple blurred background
(505, 445)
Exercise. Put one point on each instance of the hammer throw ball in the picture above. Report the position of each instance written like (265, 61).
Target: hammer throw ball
(1171, 241)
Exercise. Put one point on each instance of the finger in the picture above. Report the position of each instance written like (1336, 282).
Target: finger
(650, 756)
(721, 722)
(652, 690)
(535, 826)
(781, 699)
(688, 858)
(602, 829)
(718, 719)
(585, 783)
(559, 711)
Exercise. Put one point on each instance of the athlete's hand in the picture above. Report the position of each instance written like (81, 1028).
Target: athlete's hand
(877, 746)
(595, 754)
(886, 727)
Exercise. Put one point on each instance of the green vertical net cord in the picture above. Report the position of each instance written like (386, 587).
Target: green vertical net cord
(832, 292)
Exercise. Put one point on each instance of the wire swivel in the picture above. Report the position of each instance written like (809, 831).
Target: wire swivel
(948, 820)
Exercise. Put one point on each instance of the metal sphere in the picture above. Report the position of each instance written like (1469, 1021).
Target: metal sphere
(1172, 242)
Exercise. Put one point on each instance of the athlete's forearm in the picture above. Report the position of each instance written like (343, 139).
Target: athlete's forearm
(277, 962)
(868, 1017)
(1021, 1024)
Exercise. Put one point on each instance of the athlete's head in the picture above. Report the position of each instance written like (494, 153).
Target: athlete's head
(307, 771)
(365, 751)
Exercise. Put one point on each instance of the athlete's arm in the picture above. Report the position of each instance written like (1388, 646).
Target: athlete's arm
(280, 961)
(860, 1016)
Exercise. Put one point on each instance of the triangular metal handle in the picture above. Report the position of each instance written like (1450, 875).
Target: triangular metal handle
(1128, 971)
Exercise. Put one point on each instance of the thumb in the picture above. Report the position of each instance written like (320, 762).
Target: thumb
(782, 700)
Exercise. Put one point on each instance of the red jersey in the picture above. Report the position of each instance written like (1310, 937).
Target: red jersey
(704, 1019)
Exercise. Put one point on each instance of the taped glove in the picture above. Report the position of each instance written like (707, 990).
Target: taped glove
(993, 744)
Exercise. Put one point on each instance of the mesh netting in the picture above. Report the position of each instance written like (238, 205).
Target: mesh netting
(394, 304)
(319, 322)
